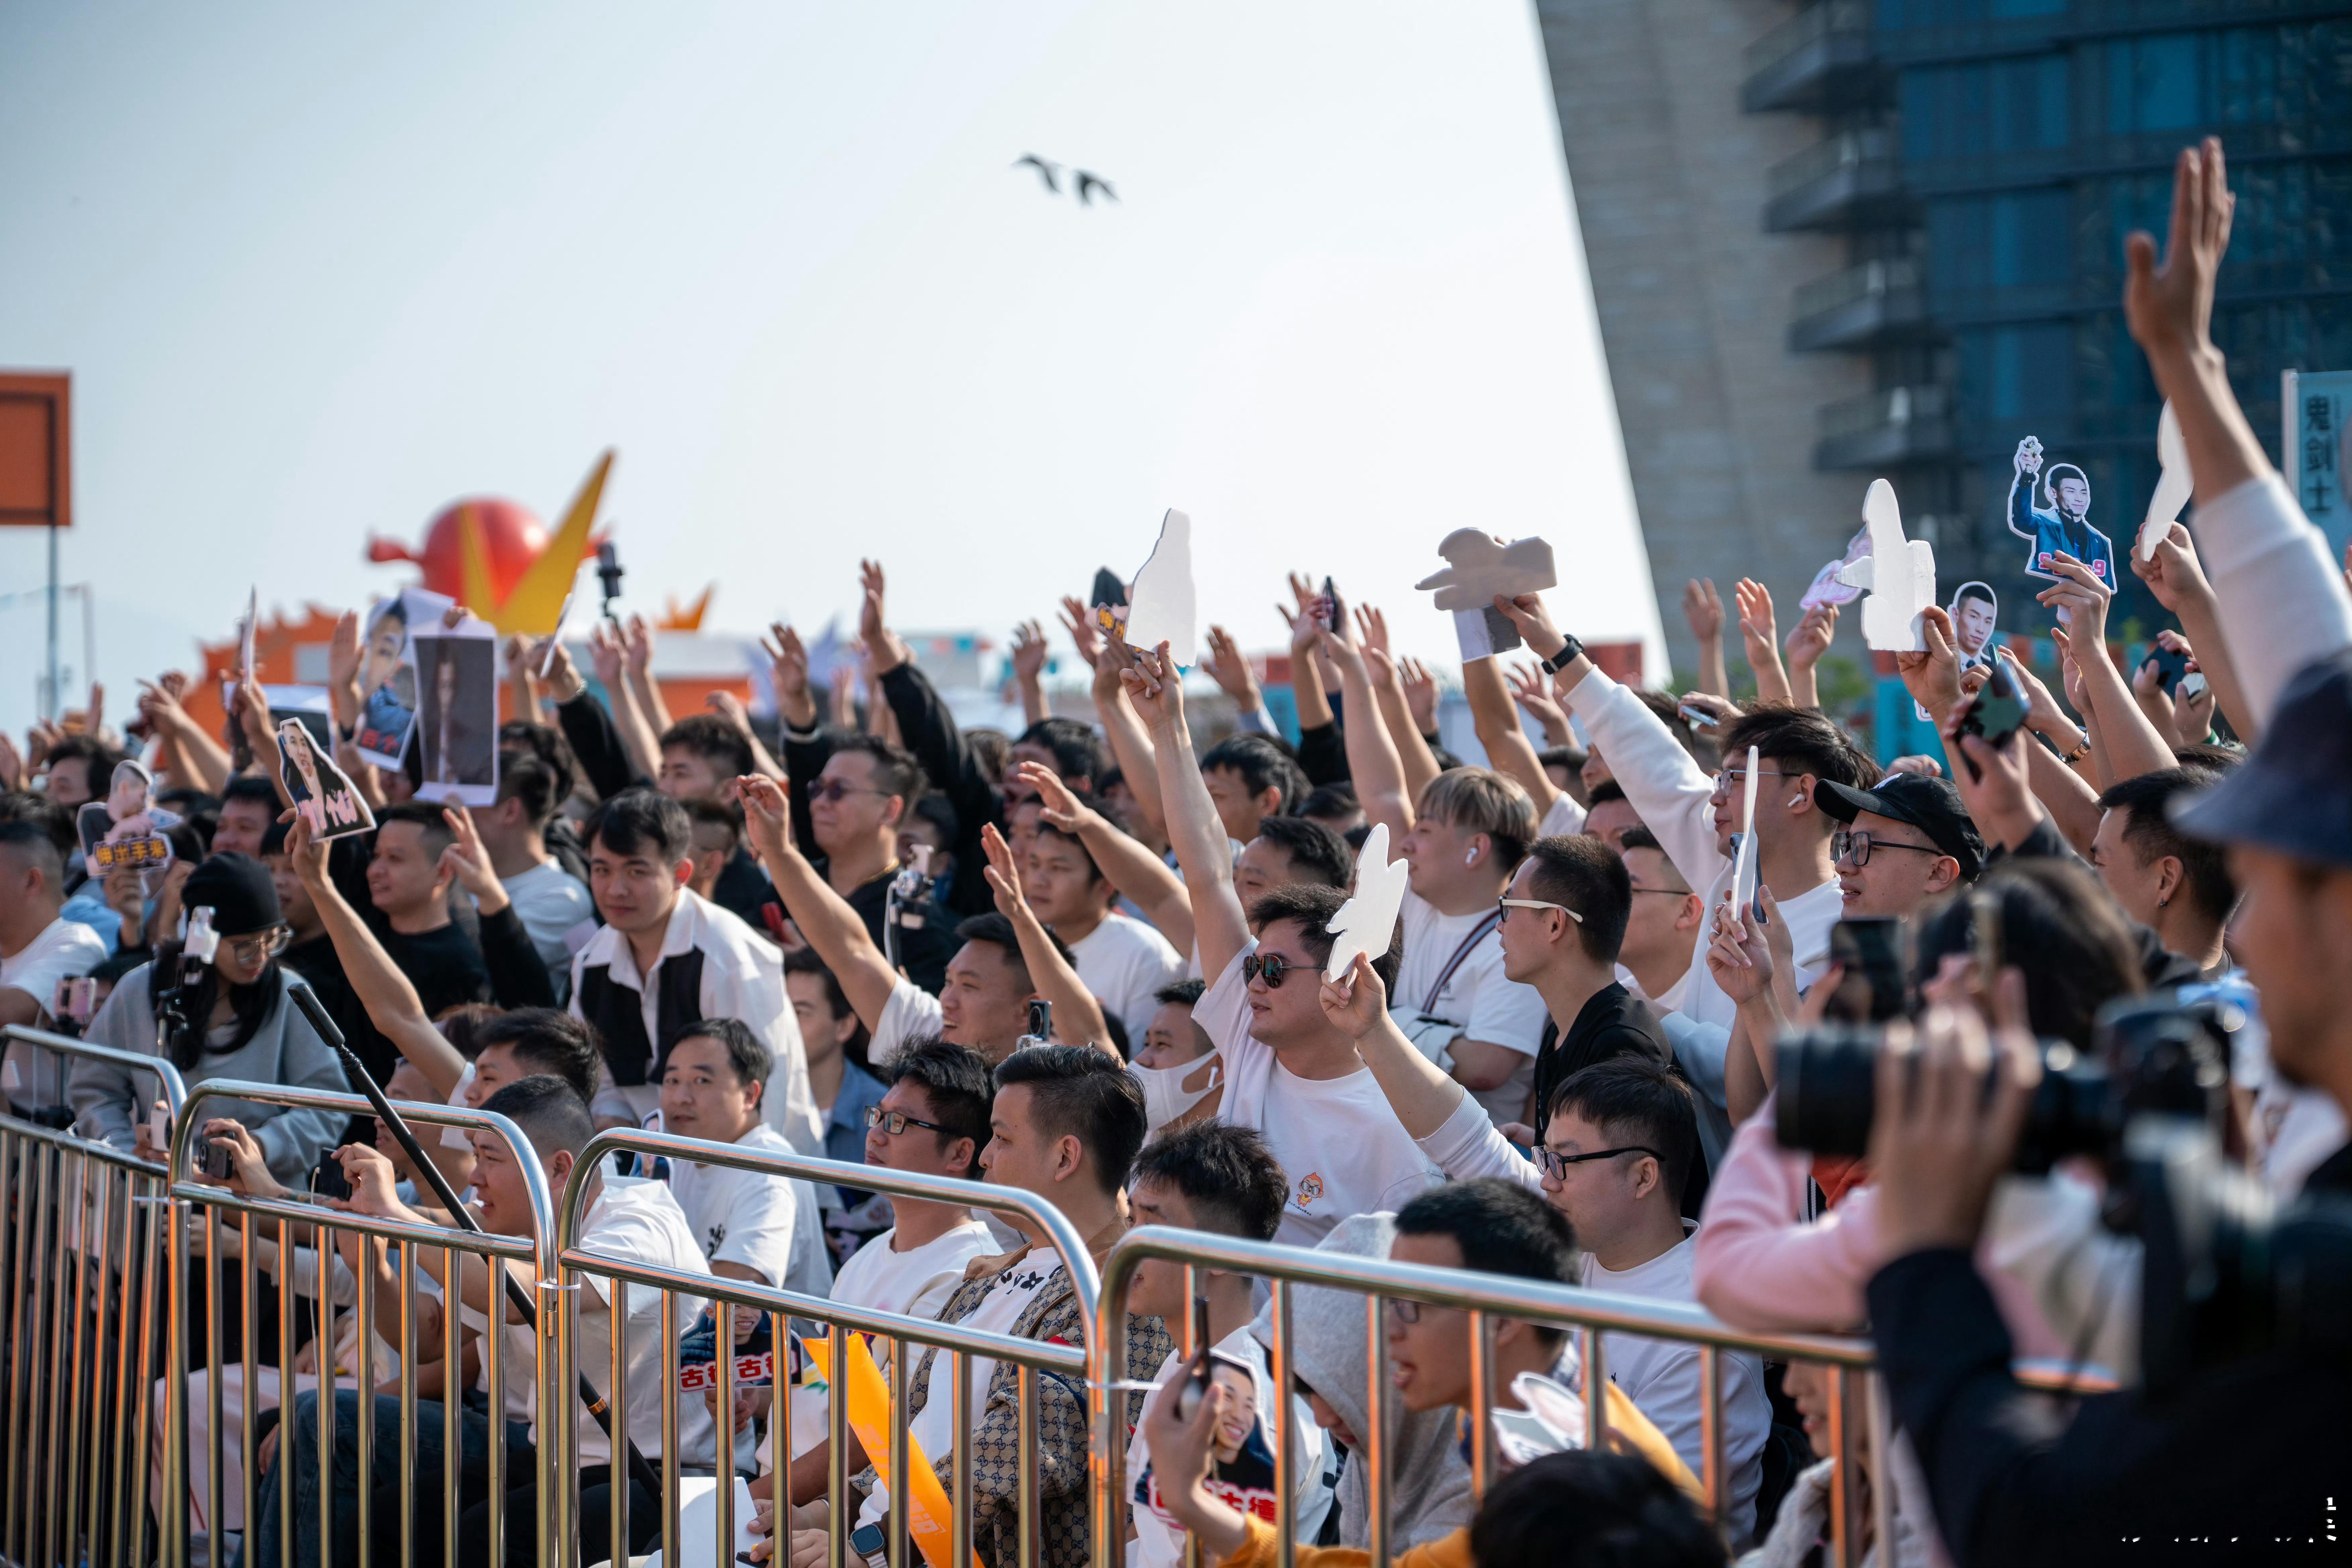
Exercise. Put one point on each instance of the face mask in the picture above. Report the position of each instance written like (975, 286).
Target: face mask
(1170, 1093)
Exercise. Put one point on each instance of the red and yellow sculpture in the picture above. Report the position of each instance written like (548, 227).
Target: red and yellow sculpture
(496, 558)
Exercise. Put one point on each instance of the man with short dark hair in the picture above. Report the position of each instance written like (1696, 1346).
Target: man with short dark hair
(851, 797)
(698, 754)
(1292, 849)
(1250, 778)
(408, 883)
(666, 957)
(249, 808)
(78, 768)
(1611, 816)
(753, 1226)
(1065, 1126)
(1290, 1076)
(1122, 961)
(552, 904)
(1220, 1179)
(2177, 886)
(714, 834)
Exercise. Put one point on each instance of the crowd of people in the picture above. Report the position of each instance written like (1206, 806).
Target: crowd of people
(1090, 962)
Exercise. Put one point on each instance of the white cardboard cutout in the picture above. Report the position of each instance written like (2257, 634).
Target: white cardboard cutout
(1366, 923)
(1743, 863)
(1479, 566)
(458, 711)
(1161, 604)
(2174, 484)
(246, 634)
(1899, 573)
(555, 638)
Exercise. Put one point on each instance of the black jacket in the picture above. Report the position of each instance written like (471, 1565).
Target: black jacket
(954, 770)
(2251, 1455)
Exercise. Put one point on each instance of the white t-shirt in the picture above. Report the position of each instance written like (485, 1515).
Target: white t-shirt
(742, 1216)
(911, 1013)
(1661, 1377)
(1016, 1287)
(1123, 962)
(64, 950)
(552, 907)
(1478, 1002)
(1340, 1147)
(916, 1281)
(1563, 819)
(1245, 1482)
(632, 1221)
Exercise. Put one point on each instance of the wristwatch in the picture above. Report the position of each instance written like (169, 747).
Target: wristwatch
(1570, 651)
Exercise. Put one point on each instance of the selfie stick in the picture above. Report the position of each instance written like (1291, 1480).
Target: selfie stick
(308, 1000)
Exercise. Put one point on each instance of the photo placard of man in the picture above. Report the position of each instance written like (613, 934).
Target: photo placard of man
(2065, 528)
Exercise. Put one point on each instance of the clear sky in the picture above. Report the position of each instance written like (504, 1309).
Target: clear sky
(319, 270)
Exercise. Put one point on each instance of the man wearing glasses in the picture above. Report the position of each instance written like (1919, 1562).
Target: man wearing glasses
(856, 807)
(1901, 844)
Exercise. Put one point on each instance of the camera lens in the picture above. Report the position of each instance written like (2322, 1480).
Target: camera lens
(1828, 1087)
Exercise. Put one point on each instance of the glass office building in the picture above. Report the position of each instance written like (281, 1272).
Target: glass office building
(1983, 161)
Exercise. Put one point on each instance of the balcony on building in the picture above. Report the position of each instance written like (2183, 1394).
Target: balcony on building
(1881, 429)
(1864, 304)
(1852, 178)
(1818, 58)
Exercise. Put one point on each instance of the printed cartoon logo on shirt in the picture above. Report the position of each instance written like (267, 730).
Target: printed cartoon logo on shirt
(1241, 1473)
(1310, 1187)
(2064, 524)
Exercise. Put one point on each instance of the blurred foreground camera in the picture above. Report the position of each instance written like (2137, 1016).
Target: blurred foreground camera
(2153, 1055)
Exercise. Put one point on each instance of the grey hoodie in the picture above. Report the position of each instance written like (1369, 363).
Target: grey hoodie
(1429, 1492)
(109, 1103)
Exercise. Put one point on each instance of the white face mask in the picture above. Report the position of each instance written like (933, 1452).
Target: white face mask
(1170, 1093)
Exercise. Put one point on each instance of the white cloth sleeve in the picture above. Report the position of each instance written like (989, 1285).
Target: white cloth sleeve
(2283, 603)
(1467, 1146)
(1664, 782)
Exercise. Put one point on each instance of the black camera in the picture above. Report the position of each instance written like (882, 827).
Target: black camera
(2154, 1054)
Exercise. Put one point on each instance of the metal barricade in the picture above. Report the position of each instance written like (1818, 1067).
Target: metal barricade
(81, 1261)
(1484, 1297)
(1030, 1357)
(264, 1228)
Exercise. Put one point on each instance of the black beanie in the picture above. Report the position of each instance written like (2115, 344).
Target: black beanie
(239, 891)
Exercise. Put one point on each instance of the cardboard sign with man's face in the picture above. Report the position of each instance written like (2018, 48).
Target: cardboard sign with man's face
(1975, 610)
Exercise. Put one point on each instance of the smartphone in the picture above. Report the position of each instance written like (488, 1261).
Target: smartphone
(1695, 717)
(77, 999)
(2170, 666)
(1196, 1381)
(1334, 617)
(326, 1178)
(1871, 988)
(218, 1163)
(1041, 1020)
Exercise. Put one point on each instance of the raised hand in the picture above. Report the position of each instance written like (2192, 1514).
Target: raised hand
(767, 814)
(605, 654)
(1372, 629)
(2043, 713)
(1230, 668)
(1932, 677)
(637, 643)
(1356, 1002)
(788, 672)
(2174, 574)
(1078, 620)
(1419, 692)
(1153, 688)
(1003, 876)
(375, 1184)
(1527, 612)
(1758, 627)
(1028, 652)
(1702, 608)
(468, 861)
(2081, 595)
(2169, 308)
(730, 707)
(1812, 637)
(882, 645)
(1055, 804)
(1738, 955)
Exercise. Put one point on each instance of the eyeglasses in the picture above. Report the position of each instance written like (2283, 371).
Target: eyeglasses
(1670, 892)
(1555, 1165)
(1407, 1311)
(1728, 779)
(896, 1122)
(259, 946)
(1269, 967)
(1855, 847)
(832, 790)
(1503, 907)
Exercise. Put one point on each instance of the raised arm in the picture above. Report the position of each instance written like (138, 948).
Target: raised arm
(1509, 749)
(391, 1003)
(823, 915)
(1077, 1017)
(1219, 927)
(638, 646)
(1805, 648)
(2131, 743)
(2178, 580)
(588, 726)
(640, 742)
(1129, 744)
(1702, 608)
(1306, 679)
(1140, 876)
(1373, 761)
(1396, 713)
(1760, 631)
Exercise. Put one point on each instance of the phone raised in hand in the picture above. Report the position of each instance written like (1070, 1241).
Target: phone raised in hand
(2171, 668)
(1334, 614)
(1196, 1376)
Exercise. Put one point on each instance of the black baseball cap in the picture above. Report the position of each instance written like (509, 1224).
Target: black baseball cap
(2294, 793)
(1931, 806)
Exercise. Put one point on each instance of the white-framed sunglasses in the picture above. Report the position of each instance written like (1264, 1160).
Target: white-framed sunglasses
(1503, 907)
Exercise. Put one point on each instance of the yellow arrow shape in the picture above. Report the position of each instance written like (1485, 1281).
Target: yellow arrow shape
(538, 597)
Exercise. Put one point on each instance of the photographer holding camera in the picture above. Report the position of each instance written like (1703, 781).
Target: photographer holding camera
(2238, 1436)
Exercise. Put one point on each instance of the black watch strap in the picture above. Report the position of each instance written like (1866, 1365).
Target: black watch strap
(1570, 651)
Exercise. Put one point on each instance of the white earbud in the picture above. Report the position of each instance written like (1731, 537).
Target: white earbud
(1471, 859)
(1795, 801)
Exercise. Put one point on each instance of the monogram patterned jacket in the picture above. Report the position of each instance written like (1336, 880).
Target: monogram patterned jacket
(1055, 1317)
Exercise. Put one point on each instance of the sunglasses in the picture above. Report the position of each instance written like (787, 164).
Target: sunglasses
(836, 790)
(1269, 967)
(1555, 1165)
(1503, 907)
(896, 1122)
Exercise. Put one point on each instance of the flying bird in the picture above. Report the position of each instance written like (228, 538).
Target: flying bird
(1090, 183)
(1899, 573)
(1048, 172)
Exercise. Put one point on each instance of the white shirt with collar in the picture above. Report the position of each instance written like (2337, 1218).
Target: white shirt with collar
(743, 979)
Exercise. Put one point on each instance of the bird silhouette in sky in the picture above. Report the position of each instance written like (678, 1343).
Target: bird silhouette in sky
(1090, 183)
(1048, 172)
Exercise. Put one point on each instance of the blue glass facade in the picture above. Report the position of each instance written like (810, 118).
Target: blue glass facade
(2022, 140)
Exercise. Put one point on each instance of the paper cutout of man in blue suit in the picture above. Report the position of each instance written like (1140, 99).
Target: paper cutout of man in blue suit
(2066, 526)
